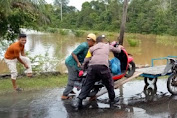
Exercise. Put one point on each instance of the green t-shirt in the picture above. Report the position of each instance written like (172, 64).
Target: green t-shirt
(81, 52)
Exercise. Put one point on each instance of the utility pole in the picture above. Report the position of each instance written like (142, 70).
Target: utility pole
(122, 28)
(61, 5)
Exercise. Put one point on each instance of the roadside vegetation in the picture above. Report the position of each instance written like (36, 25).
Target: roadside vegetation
(34, 83)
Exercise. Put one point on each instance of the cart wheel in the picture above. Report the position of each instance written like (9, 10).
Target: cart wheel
(150, 91)
(172, 84)
(150, 80)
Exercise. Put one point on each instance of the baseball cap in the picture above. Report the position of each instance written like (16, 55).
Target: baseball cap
(91, 36)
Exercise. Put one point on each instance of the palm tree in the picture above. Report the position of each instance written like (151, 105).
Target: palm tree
(33, 6)
(27, 13)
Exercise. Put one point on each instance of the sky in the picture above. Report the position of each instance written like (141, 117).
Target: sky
(76, 3)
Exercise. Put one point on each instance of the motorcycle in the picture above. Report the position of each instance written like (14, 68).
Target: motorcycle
(172, 80)
(127, 70)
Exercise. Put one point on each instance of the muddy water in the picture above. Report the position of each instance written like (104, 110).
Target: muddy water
(134, 103)
(59, 47)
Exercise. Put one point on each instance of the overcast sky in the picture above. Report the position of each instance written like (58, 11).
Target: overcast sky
(76, 3)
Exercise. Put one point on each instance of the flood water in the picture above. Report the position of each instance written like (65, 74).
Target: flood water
(136, 101)
(58, 47)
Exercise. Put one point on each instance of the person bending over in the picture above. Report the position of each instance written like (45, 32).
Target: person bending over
(74, 61)
(14, 53)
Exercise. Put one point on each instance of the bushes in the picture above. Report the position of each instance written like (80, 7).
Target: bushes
(63, 31)
(133, 42)
(78, 33)
(51, 30)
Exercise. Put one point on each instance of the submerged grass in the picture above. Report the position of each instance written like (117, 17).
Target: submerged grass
(167, 40)
(64, 32)
(78, 33)
(35, 83)
(133, 42)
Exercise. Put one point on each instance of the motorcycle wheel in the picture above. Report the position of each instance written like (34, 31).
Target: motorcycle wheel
(131, 69)
(172, 84)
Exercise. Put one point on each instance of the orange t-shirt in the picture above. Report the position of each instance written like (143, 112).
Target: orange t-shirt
(14, 51)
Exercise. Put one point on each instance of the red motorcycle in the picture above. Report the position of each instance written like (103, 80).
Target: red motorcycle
(127, 63)
(127, 70)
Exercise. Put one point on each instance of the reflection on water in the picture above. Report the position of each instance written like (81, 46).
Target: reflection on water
(60, 47)
(133, 103)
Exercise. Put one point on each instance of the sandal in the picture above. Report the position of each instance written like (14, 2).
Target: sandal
(19, 89)
(66, 97)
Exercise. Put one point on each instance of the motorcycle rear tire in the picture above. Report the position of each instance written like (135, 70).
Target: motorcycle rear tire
(129, 73)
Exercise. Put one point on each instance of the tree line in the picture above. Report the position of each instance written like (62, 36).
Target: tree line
(144, 16)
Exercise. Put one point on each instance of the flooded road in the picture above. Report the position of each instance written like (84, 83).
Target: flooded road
(136, 101)
(58, 47)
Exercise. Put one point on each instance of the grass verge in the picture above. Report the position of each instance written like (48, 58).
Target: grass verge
(35, 83)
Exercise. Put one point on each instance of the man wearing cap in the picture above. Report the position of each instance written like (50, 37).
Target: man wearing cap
(98, 70)
(14, 53)
(74, 61)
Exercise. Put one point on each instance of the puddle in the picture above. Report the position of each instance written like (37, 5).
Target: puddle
(135, 102)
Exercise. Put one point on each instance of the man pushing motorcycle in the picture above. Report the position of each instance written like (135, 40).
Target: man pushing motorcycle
(74, 61)
(98, 69)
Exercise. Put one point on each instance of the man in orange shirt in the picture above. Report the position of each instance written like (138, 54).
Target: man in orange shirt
(14, 53)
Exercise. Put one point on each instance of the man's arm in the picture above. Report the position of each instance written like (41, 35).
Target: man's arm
(19, 59)
(23, 52)
(115, 49)
(76, 59)
(17, 55)
(78, 50)
(85, 64)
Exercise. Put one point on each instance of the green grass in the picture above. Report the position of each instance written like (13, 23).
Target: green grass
(36, 83)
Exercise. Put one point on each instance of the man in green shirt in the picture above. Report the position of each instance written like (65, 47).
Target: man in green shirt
(74, 61)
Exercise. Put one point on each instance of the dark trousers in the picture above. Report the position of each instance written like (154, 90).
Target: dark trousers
(96, 73)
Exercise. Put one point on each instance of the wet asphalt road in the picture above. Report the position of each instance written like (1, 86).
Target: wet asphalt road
(136, 101)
